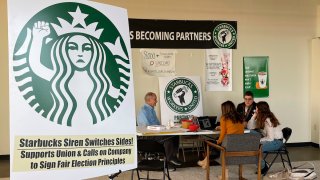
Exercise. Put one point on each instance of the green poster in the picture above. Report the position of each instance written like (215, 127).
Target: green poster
(256, 75)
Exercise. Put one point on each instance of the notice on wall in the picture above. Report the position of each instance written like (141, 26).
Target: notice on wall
(158, 62)
(256, 75)
(180, 98)
(218, 70)
(72, 110)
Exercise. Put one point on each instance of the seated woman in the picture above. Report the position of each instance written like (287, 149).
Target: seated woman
(231, 122)
(271, 131)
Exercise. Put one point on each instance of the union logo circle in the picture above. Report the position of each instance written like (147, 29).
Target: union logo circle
(182, 95)
(224, 35)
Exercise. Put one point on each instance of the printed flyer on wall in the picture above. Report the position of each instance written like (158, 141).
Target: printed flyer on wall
(159, 62)
(218, 70)
(256, 75)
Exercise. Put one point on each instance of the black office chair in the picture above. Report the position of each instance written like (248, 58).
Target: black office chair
(281, 151)
(152, 158)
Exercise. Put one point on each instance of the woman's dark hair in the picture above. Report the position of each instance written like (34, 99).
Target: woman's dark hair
(229, 112)
(264, 113)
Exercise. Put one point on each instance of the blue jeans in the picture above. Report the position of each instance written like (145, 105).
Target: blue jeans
(270, 146)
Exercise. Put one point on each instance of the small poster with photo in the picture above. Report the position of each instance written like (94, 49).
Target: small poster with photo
(218, 70)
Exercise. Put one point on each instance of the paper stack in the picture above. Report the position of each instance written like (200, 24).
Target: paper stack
(156, 127)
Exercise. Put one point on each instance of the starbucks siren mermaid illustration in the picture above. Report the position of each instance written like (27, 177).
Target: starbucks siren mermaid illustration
(78, 81)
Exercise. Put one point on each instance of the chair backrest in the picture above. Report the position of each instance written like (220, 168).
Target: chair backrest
(286, 133)
(150, 146)
(151, 161)
(241, 143)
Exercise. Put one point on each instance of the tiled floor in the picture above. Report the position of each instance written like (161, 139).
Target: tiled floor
(306, 153)
(296, 154)
(197, 173)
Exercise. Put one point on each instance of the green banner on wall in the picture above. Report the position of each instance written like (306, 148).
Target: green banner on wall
(256, 75)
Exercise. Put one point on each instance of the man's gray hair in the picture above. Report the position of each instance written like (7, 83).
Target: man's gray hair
(148, 95)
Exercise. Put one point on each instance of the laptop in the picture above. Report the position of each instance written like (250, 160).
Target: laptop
(207, 122)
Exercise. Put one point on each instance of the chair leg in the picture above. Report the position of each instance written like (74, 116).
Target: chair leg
(223, 171)
(138, 174)
(132, 171)
(198, 148)
(208, 163)
(164, 173)
(184, 157)
(193, 146)
(274, 159)
(223, 162)
(289, 162)
(240, 171)
(284, 166)
(265, 156)
(259, 163)
(204, 146)
(259, 172)
(167, 168)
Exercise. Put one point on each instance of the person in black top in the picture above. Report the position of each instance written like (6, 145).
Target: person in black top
(247, 108)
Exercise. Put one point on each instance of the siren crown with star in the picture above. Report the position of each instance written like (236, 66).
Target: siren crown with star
(78, 18)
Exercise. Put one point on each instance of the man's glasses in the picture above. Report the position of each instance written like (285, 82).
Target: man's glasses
(248, 99)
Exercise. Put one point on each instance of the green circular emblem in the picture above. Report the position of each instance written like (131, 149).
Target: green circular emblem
(224, 35)
(70, 63)
(182, 95)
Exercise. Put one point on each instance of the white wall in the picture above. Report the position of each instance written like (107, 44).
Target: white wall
(281, 30)
(315, 84)
(4, 76)
(314, 91)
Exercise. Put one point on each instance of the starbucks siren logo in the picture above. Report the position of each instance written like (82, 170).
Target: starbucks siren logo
(70, 59)
(224, 35)
(182, 95)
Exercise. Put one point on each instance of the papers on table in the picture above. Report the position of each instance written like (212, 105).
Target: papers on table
(143, 131)
(156, 127)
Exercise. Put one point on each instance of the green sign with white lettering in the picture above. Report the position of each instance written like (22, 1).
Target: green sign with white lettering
(256, 75)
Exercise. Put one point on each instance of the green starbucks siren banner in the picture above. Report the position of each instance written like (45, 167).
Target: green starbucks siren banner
(71, 90)
(256, 75)
(180, 97)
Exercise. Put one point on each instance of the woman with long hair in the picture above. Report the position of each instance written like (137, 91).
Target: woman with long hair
(272, 133)
(231, 122)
